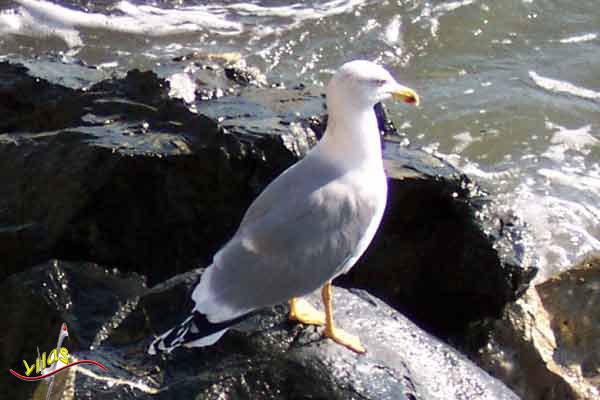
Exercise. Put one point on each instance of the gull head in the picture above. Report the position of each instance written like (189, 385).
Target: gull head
(363, 83)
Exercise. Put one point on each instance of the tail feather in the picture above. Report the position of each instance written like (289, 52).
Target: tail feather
(195, 331)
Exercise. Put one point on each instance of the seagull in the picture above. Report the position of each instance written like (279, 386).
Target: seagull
(309, 225)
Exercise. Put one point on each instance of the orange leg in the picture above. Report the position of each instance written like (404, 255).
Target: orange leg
(350, 341)
(302, 311)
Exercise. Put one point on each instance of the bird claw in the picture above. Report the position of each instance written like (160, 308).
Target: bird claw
(345, 339)
(302, 311)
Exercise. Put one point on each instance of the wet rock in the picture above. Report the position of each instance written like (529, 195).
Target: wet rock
(443, 255)
(265, 357)
(122, 174)
(213, 75)
(29, 104)
(546, 346)
(37, 301)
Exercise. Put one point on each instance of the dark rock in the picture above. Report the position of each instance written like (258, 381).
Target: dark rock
(440, 254)
(122, 174)
(29, 104)
(37, 301)
(265, 357)
(240, 76)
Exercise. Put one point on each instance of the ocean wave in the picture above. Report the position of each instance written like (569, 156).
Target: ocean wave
(558, 86)
(40, 18)
(580, 38)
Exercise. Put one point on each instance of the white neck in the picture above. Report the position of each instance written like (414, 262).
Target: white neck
(352, 136)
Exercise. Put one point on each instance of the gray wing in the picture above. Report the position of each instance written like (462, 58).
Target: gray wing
(298, 234)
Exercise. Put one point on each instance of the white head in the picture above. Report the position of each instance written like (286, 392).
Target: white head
(363, 83)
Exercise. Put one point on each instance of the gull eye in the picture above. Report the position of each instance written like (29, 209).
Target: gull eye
(376, 82)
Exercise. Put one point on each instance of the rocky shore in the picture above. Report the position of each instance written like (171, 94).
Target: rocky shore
(115, 194)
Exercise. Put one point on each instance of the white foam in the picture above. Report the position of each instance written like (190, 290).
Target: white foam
(391, 34)
(576, 181)
(452, 5)
(32, 23)
(580, 38)
(40, 18)
(558, 86)
(432, 14)
(464, 140)
(562, 230)
(558, 200)
(158, 21)
(298, 11)
(578, 140)
(555, 195)
(183, 85)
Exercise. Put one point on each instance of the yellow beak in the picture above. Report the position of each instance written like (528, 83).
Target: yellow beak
(407, 95)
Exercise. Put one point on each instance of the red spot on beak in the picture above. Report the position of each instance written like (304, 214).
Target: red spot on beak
(64, 328)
